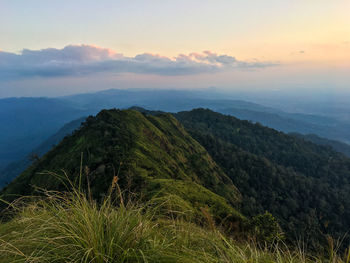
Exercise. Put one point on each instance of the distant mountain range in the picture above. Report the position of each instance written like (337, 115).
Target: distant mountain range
(28, 122)
(16, 167)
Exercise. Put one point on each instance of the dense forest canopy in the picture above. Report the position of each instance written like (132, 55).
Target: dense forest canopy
(304, 185)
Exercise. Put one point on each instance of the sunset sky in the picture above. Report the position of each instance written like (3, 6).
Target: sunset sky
(63, 47)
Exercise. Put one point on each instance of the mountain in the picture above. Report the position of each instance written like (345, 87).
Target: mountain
(12, 170)
(273, 120)
(150, 156)
(304, 185)
(164, 100)
(28, 122)
(293, 122)
(335, 145)
(236, 168)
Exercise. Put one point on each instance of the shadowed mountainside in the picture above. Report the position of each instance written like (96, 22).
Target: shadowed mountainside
(12, 170)
(304, 185)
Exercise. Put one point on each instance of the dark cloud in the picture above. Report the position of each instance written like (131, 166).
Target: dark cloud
(85, 59)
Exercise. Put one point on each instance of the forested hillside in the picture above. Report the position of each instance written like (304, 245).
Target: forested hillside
(150, 156)
(28, 122)
(335, 145)
(233, 169)
(306, 186)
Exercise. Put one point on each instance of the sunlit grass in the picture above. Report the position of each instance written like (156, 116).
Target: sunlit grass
(69, 227)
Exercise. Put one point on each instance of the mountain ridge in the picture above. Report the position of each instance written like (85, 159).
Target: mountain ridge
(152, 155)
(39, 118)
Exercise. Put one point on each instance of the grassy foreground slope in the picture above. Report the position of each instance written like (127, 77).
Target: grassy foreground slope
(72, 228)
(150, 156)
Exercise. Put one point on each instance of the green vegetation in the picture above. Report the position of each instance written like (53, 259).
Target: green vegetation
(209, 188)
(64, 227)
(150, 155)
(305, 186)
(335, 145)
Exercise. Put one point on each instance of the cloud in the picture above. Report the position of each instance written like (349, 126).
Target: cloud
(76, 60)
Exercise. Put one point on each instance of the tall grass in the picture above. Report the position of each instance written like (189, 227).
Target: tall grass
(70, 227)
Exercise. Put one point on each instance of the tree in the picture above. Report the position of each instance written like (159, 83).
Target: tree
(265, 228)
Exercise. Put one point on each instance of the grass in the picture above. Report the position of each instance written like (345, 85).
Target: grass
(71, 228)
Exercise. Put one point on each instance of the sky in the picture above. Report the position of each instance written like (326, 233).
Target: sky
(51, 48)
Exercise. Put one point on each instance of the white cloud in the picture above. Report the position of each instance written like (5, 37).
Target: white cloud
(75, 60)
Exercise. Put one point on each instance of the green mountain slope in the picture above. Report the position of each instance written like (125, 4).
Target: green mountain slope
(304, 185)
(151, 155)
(198, 158)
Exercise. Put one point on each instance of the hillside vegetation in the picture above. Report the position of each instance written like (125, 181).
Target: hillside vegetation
(305, 186)
(197, 179)
(335, 145)
(73, 228)
(40, 117)
(149, 155)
